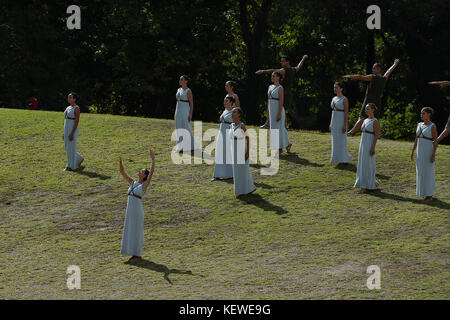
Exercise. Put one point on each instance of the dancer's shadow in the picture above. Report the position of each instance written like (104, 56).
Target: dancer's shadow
(91, 174)
(353, 168)
(295, 158)
(383, 195)
(146, 264)
(257, 200)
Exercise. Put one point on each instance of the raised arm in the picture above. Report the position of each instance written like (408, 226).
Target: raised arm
(301, 63)
(124, 174)
(367, 78)
(440, 83)
(149, 178)
(269, 71)
(392, 68)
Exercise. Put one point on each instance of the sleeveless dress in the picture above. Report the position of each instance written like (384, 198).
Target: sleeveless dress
(339, 148)
(73, 157)
(133, 230)
(223, 167)
(278, 132)
(183, 127)
(365, 174)
(243, 180)
(425, 169)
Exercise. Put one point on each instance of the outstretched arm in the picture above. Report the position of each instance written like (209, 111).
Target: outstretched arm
(124, 174)
(444, 134)
(440, 83)
(358, 77)
(149, 178)
(301, 63)
(392, 68)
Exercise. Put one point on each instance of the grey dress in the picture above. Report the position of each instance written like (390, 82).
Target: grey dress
(278, 132)
(365, 174)
(73, 157)
(185, 137)
(425, 169)
(243, 180)
(223, 167)
(339, 148)
(133, 230)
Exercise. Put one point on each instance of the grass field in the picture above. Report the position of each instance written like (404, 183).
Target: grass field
(304, 234)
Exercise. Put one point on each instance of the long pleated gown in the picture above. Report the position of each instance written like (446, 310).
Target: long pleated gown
(425, 169)
(73, 157)
(133, 230)
(185, 137)
(243, 180)
(365, 174)
(278, 132)
(339, 148)
(223, 167)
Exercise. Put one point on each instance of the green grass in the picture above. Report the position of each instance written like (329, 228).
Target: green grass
(304, 234)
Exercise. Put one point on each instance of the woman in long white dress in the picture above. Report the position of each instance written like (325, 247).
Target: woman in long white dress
(223, 167)
(338, 126)
(71, 122)
(133, 230)
(366, 172)
(426, 144)
(243, 180)
(183, 117)
(278, 133)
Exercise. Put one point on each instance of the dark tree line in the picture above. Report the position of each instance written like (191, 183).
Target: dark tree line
(128, 55)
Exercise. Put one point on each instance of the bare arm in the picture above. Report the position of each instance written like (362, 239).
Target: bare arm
(191, 104)
(440, 83)
(435, 143)
(414, 148)
(124, 174)
(392, 68)
(444, 134)
(75, 126)
(149, 178)
(367, 78)
(344, 129)
(301, 63)
(247, 141)
(376, 130)
(236, 101)
(280, 107)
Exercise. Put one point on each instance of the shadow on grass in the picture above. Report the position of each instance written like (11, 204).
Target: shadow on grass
(257, 200)
(352, 167)
(146, 264)
(295, 158)
(383, 195)
(91, 174)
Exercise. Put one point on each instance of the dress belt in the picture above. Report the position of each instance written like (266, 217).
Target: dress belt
(70, 118)
(431, 139)
(338, 110)
(182, 100)
(274, 98)
(227, 122)
(132, 194)
(371, 132)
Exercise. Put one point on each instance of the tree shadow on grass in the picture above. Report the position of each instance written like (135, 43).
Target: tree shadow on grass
(257, 200)
(295, 158)
(352, 167)
(146, 264)
(383, 195)
(91, 174)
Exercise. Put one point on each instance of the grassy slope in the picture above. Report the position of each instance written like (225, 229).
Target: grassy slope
(304, 234)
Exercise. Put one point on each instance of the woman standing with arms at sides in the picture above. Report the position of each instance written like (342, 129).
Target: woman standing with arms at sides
(133, 230)
(338, 126)
(183, 117)
(426, 143)
(72, 119)
(243, 180)
(229, 87)
(365, 174)
(277, 115)
(223, 168)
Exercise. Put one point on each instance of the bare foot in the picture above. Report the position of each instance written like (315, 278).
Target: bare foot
(265, 126)
(361, 191)
(68, 169)
(213, 179)
(428, 199)
(134, 259)
(288, 149)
